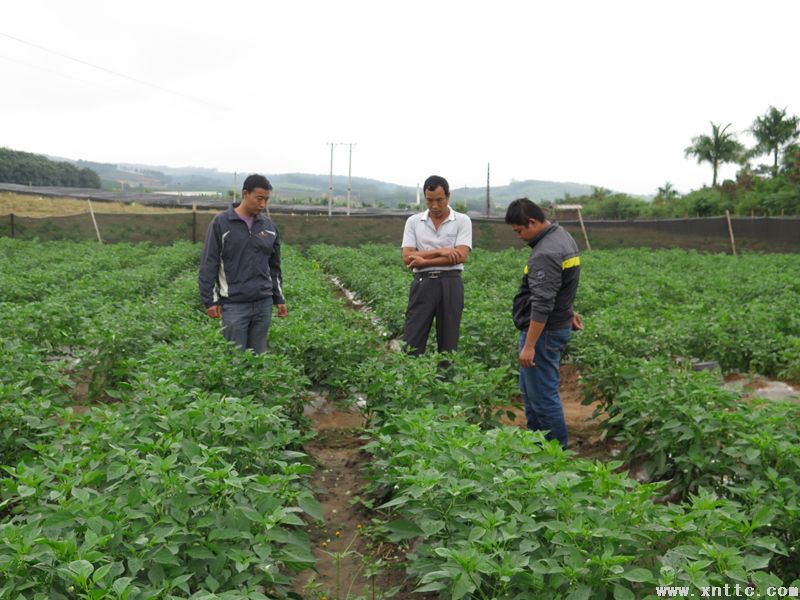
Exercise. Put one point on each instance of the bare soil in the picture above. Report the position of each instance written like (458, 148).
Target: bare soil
(341, 545)
(81, 402)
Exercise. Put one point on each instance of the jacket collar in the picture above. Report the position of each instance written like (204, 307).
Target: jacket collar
(542, 234)
(234, 216)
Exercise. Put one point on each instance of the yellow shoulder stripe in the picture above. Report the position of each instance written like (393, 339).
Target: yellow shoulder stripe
(525, 270)
(571, 262)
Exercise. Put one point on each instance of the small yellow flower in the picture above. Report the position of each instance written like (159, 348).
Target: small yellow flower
(338, 533)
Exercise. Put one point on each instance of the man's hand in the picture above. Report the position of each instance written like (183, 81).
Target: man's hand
(527, 357)
(577, 322)
(215, 312)
(417, 262)
(282, 310)
(452, 255)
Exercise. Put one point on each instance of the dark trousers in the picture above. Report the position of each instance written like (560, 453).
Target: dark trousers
(246, 324)
(434, 298)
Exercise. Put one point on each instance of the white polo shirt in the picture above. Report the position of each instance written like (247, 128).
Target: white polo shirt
(455, 230)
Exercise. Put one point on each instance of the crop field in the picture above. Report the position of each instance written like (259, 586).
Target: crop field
(47, 206)
(142, 457)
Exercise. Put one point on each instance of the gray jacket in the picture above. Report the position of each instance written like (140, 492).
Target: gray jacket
(549, 282)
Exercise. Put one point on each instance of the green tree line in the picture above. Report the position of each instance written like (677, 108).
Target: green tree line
(33, 169)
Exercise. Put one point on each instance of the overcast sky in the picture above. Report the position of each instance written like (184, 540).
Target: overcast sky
(606, 93)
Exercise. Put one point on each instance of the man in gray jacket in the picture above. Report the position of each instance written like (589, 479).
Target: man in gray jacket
(240, 270)
(542, 312)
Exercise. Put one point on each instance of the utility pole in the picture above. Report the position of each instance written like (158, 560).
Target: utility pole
(234, 187)
(488, 202)
(349, 178)
(330, 181)
(417, 194)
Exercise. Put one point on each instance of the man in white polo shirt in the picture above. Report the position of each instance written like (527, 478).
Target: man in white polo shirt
(436, 244)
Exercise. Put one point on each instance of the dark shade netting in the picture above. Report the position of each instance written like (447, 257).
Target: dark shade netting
(761, 234)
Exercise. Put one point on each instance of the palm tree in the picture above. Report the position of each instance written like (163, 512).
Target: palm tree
(667, 193)
(720, 147)
(600, 193)
(774, 131)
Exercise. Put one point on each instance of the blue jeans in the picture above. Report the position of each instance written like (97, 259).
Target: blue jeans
(539, 385)
(246, 324)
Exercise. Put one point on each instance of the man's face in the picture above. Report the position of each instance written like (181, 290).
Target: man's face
(437, 202)
(529, 231)
(254, 202)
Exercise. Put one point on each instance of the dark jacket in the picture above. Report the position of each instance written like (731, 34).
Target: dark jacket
(549, 282)
(239, 265)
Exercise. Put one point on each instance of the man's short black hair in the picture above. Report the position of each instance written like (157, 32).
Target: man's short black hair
(521, 210)
(433, 182)
(256, 181)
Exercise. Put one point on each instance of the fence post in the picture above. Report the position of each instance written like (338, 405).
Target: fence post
(194, 222)
(730, 231)
(583, 228)
(96, 228)
(12, 225)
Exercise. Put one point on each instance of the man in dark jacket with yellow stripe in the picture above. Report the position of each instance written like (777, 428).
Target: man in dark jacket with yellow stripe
(543, 314)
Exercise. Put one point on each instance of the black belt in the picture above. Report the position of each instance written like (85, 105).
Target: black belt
(437, 274)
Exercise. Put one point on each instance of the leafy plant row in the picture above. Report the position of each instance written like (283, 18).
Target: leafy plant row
(376, 274)
(169, 359)
(341, 350)
(321, 334)
(39, 270)
(505, 514)
(683, 427)
(193, 484)
(96, 320)
(179, 364)
(734, 310)
(643, 313)
(739, 311)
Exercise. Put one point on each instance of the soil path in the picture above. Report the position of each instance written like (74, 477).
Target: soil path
(349, 564)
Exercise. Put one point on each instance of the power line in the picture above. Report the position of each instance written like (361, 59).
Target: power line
(115, 73)
(59, 74)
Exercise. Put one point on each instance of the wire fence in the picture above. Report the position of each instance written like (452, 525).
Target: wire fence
(760, 234)
(710, 234)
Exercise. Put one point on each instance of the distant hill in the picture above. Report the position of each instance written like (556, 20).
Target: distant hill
(35, 169)
(536, 190)
(312, 188)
